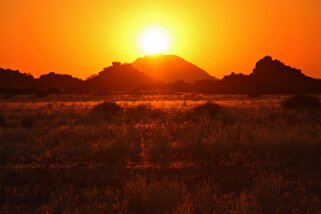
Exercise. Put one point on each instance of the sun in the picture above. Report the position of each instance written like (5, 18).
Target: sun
(155, 40)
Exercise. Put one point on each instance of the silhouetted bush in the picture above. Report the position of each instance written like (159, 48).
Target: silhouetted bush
(111, 152)
(208, 108)
(144, 112)
(268, 193)
(159, 149)
(28, 122)
(2, 120)
(254, 95)
(109, 108)
(302, 102)
(153, 197)
(41, 94)
(7, 96)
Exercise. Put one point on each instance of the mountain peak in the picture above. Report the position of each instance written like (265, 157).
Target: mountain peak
(119, 77)
(170, 68)
(269, 68)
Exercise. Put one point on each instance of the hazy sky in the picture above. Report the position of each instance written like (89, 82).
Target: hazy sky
(80, 37)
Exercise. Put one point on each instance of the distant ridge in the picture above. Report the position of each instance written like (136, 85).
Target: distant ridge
(63, 82)
(170, 68)
(12, 78)
(273, 76)
(118, 77)
(269, 76)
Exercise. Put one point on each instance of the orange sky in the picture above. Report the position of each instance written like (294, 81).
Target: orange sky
(81, 37)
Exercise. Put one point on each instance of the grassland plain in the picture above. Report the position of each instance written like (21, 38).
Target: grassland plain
(158, 154)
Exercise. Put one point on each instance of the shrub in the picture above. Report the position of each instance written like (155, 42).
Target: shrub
(2, 120)
(111, 152)
(159, 148)
(153, 196)
(7, 96)
(302, 102)
(254, 96)
(209, 108)
(28, 122)
(268, 191)
(41, 94)
(206, 198)
(107, 109)
(144, 111)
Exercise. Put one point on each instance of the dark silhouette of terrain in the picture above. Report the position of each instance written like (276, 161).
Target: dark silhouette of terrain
(276, 77)
(64, 82)
(11, 78)
(170, 68)
(14, 82)
(118, 77)
(268, 77)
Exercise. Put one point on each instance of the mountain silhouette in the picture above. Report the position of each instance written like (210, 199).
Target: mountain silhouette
(118, 77)
(170, 68)
(281, 78)
(64, 82)
(11, 78)
(269, 76)
(14, 82)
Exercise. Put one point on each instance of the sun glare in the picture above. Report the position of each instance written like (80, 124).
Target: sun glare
(155, 40)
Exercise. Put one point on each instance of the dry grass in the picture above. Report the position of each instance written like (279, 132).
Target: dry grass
(154, 196)
(143, 159)
(210, 109)
(302, 102)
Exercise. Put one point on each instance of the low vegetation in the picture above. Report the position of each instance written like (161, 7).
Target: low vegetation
(107, 107)
(138, 158)
(209, 108)
(2, 119)
(302, 102)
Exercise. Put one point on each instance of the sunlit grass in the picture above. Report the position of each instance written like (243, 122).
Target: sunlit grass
(241, 158)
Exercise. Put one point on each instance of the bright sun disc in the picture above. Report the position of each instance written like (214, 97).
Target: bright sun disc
(155, 40)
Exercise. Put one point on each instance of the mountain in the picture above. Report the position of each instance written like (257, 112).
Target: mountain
(170, 68)
(268, 77)
(281, 78)
(11, 78)
(16, 83)
(65, 82)
(118, 77)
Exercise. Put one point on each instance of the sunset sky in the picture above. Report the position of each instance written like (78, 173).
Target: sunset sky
(81, 37)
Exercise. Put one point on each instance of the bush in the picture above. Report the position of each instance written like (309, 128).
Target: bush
(268, 191)
(28, 122)
(2, 120)
(111, 152)
(154, 196)
(209, 108)
(41, 94)
(7, 96)
(159, 149)
(254, 96)
(143, 112)
(302, 102)
(107, 108)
